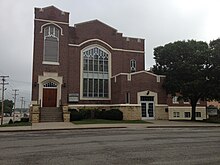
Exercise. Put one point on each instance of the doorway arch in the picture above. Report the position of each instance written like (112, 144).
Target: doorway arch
(50, 80)
(49, 94)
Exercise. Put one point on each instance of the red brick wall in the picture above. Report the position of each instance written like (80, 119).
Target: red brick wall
(51, 13)
(96, 29)
(139, 82)
(38, 68)
(69, 56)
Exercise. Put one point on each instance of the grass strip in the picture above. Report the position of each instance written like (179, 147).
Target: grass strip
(102, 121)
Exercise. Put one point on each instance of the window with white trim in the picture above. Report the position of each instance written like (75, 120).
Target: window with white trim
(176, 114)
(51, 44)
(198, 114)
(95, 73)
(187, 114)
(133, 65)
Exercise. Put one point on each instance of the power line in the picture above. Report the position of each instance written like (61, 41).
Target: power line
(3, 91)
(13, 84)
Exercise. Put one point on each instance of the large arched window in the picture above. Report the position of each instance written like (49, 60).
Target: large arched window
(51, 44)
(95, 73)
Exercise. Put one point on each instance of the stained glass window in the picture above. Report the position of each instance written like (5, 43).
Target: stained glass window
(95, 73)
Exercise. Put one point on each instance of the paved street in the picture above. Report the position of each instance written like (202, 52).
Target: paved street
(112, 146)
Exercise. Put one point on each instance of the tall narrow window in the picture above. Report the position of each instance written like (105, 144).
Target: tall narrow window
(133, 65)
(127, 99)
(95, 73)
(51, 44)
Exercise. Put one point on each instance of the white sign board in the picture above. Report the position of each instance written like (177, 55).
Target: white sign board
(212, 111)
(73, 97)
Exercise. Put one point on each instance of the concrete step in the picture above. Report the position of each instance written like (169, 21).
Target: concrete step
(51, 114)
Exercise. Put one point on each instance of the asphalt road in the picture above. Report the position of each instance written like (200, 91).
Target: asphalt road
(169, 146)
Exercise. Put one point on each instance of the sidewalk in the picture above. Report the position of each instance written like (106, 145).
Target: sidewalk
(71, 126)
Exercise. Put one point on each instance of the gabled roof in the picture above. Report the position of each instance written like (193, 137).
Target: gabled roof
(53, 8)
(95, 21)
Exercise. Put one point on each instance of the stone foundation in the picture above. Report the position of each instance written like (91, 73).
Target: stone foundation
(66, 114)
(35, 113)
(131, 112)
(161, 112)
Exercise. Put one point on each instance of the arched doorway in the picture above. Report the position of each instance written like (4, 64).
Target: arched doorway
(49, 94)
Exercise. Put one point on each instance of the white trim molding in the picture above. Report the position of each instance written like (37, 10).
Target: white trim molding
(103, 105)
(50, 63)
(51, 23)
(147, 93)
(116, 49)
(129, 75)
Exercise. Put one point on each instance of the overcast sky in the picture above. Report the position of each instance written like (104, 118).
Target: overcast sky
(157, 21)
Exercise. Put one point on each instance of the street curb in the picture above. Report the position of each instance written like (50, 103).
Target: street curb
(185, 126)
(56, 129)
(91, 128)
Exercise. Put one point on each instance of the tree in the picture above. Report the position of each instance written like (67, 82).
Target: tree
(8, 105)
(186, 65)
(214, 71)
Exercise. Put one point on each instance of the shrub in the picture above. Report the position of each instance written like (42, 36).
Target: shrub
(75, 115)
(24, 119)
(90, 113)
(97, 114)
(113, 114)
(86, 113)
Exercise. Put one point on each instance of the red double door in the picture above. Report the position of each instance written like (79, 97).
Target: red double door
(49, 97)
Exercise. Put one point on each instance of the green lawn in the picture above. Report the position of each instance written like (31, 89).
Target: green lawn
(102, 121)
(16, 124)
(212, 121)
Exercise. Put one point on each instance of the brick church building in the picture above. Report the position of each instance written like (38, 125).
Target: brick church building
(91, 64)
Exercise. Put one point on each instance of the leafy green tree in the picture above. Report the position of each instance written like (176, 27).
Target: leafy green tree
(8, 106)
(186, 65)
(214, 71)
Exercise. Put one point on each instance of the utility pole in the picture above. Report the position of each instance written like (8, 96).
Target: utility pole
(24, 104)
(22, 100)
(15, 94)
(3, 92)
